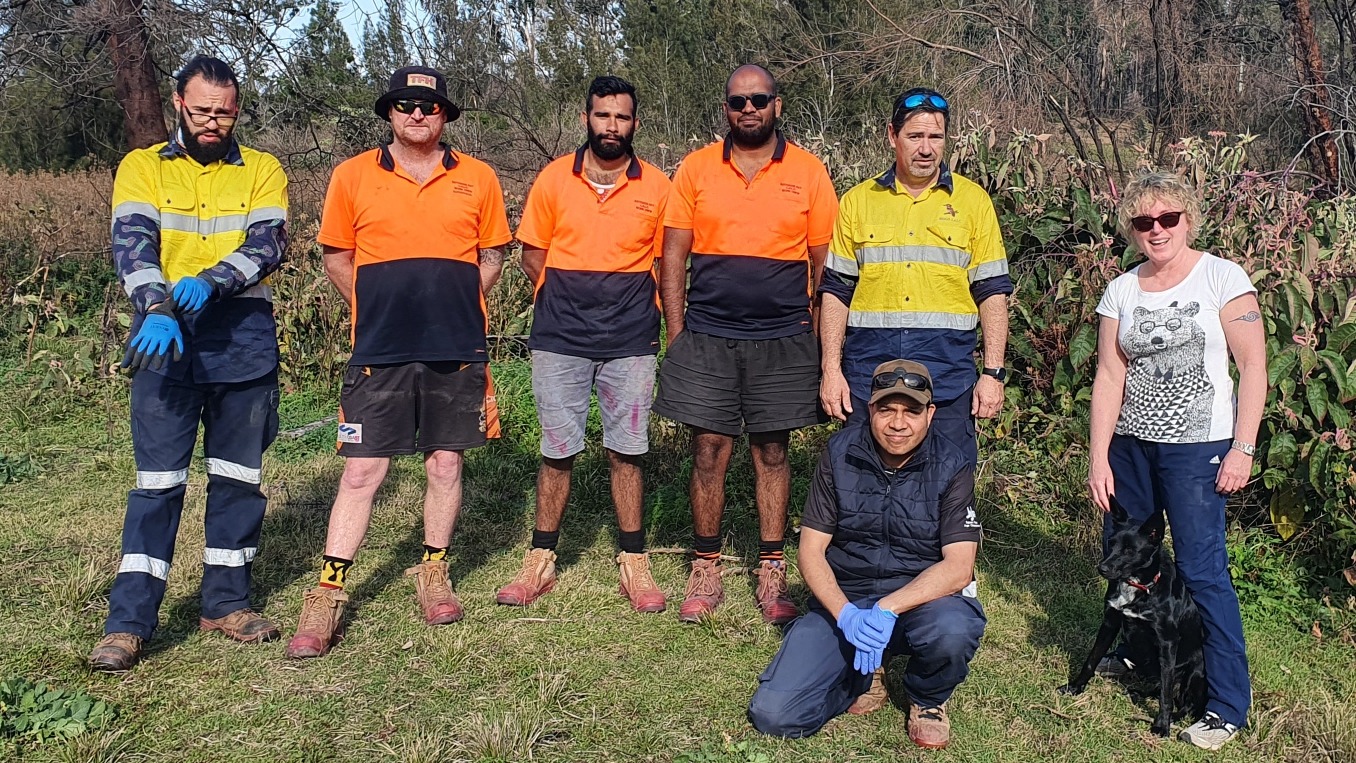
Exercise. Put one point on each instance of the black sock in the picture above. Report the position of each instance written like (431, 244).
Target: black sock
(771, 550)
(706, 546)
(543, 539)
(631, 542)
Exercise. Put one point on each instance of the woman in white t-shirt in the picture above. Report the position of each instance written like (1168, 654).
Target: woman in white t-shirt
(1168, 434)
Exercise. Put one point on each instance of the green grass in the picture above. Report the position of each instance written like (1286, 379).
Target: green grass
(577, 677)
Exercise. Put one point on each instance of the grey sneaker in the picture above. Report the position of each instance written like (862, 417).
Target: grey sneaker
(1114, 666)
(1209, 733)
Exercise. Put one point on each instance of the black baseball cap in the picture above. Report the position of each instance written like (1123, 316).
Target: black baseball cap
(417, 82)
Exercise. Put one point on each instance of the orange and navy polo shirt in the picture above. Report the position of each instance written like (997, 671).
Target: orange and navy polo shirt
(750, 272)
(596, 296)
(416, 283)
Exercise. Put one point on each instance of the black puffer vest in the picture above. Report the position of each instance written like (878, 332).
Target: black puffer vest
(888, 524)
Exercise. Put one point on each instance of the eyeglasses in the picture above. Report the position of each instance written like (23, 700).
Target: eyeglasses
(201, 120)
(429, 108)
(759, 101)
(1145, 223)
(888, 379)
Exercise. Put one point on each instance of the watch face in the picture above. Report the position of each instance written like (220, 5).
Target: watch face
(1001, 374)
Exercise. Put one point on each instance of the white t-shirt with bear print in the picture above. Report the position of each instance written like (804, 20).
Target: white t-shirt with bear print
(1177, 383)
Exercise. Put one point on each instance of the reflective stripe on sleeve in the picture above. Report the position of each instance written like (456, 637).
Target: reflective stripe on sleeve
(161, 480)
(242, 263)
(157, 568)
(989, 270)
(143, 277)
(227, 557)
(264, 214)
(239, 472)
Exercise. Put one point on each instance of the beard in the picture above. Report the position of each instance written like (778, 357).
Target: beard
(752, 137)
(203, 154)
(609, 151)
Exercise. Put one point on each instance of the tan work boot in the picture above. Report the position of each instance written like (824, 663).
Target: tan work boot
(536, 578)
(321, 623)
(433, 589)
(116, 652)
(875, 698)
(637, 584)
(928, 726)
(771, 593)
(705, 591)
(242, 625)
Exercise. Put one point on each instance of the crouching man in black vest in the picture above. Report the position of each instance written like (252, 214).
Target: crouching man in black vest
(887, 546)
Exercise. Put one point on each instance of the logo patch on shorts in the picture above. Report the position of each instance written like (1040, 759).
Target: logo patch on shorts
(351, 433)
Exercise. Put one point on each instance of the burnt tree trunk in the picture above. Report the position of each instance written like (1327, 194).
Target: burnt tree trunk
(1315, 104)
(134, 78)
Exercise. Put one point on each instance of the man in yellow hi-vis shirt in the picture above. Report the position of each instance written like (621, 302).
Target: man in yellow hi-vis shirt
(198, 224)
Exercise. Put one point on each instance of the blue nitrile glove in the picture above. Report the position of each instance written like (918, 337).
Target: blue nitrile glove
(158, 334)
(191, 293)
(852, 622)
(881, 621)
(866, 661)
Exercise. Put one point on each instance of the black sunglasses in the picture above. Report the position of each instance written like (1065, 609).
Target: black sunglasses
(759, 101)
(406, 106)
(888, 379)
(1145, 223)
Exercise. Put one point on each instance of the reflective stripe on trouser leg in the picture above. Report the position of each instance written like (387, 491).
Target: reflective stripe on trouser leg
(240, 420)
(165, 415)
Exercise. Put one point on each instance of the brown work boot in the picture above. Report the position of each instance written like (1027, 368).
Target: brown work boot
(705, 591)
(875, 698)
(321, 623)
(536, 578)
(116, 652)
(242, 625)
(771, 593)
(433, 589)
(637, 584)
(928, 726)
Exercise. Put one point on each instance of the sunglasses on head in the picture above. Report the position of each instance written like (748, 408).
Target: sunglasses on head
(1145, 223)
(407, 106)
(759, 101)
(913, 381)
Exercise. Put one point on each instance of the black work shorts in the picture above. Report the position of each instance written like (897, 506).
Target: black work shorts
(392, 410)
(733, 386)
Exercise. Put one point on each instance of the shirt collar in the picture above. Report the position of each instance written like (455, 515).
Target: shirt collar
(944, 180)
(387, 162)
(174, 149)
(777, 153)
(632, 169)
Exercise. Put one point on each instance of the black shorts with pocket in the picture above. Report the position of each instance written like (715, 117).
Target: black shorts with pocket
(401, 408)
(733, 386)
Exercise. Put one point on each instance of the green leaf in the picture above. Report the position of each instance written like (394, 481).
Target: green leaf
(1083, 345)
(1287, 511)
(1342, 338)
(1341, 419)
(1282, 365)
(1318, 461)
(1308, 360)
(1283, 451)
(1316, 393)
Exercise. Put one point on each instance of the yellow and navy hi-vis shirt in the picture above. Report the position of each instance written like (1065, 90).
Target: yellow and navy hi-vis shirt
(912, 272)
(224, 222)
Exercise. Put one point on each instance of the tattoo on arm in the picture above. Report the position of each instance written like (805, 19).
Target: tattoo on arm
(491, 257)
(1252, 316)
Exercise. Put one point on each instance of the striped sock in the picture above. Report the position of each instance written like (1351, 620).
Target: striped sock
(706, 547)
(771, 550)
(334, 572)
(434, 554)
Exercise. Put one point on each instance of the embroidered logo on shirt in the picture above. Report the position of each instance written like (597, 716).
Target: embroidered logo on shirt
(971, 521)
(950, 210)
(351, 434)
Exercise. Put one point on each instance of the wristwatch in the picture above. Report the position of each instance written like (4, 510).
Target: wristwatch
(1001, 374)
(1243, 447)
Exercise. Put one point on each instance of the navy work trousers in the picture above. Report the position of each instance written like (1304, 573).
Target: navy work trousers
(811, 681)
(1179, 480)
(239, 422)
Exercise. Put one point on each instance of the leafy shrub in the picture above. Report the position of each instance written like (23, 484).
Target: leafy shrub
(40, 713)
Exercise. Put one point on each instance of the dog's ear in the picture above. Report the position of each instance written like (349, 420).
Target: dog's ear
(1117, 510)
(1153, 527)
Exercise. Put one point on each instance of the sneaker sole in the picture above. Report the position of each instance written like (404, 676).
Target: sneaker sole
(509, 600)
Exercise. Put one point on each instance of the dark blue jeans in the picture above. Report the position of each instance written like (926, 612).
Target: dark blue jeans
(811, 680)
(239, 422)
(952, 420)
(1179, 480)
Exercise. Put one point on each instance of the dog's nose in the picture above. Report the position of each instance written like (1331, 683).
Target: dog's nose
(1102, 570)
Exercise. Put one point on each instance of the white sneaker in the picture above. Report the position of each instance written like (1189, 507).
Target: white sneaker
(1209, 733)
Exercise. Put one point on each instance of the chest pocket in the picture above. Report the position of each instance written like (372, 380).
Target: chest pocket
(953, 235)
(876, 233)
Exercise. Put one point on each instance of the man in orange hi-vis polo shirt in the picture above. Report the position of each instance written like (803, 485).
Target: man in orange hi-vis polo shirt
(591, 229)
(753, 215)
(413, 236)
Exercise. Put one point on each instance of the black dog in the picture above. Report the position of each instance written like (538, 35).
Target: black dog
(1146, 599)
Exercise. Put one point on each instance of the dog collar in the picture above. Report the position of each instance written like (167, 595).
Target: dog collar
(1144, 586)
